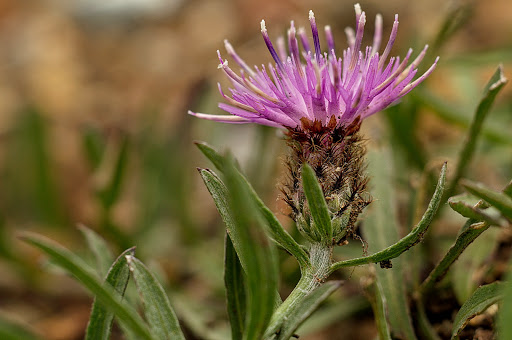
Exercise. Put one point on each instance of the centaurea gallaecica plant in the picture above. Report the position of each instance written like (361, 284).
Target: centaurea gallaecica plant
(320, 101)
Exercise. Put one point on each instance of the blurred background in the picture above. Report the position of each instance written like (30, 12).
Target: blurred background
(94, 131)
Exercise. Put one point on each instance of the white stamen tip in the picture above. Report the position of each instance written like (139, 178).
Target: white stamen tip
(396, 18)
(327, 28)
(311, 15)
(362, 19)
(263, 27)
(357, 7)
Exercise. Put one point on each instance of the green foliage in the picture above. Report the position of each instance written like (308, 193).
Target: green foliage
(157, 307)
(477, 303)
(12, 331)
(100, 321)
(235, 290)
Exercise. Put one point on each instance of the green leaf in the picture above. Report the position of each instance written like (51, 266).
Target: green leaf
(307, 306)
(275, 229)
(157, 307)
(508, 189)
(381, 230)
(505, 315)
(105, 294)
(100, 322)
(499, 200)
(111, 172)
(260, 253)
(493, 87)
(482, 298)
(378, 301)
(413, 238)
(13, 331)
(99, 248)
(468, 210)
(235, 290)
(317, 204)
(212, 154)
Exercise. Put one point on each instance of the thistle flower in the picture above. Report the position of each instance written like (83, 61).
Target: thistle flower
(321, 100)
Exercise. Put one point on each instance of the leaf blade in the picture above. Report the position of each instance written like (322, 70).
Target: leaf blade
(100, 321)
(235, 290)
(74, 265)
(157, 307)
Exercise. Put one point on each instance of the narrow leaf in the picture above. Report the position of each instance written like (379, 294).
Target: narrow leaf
(505, 315)
(493, 87)
(481, 299)
(105, 294)
(378, 301)
(99, 248)
(307, 306)
(157, 307)
(100, 322)
(13, 331)
(235, 290)
(508, 189)
(499, 200)
(212, 154)
(381, 230)
(261, 271)
(470, 211)
(413, 238)
(317, 204)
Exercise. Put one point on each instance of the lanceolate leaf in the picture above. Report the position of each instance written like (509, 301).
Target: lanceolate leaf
(317, 204)
(13, 331)
(481, 299)
(499, 200)
(470, 211)
(493, 87)
(381, 230)
(275, 229)
(100, 322)
(235, 290)
(99, 248)
(157, 307)
(307, 306)
(105, 294)
(261, 271)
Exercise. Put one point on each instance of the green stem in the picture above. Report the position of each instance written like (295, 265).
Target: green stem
(312, 278)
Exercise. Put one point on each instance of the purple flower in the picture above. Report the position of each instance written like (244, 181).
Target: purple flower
(318, 89)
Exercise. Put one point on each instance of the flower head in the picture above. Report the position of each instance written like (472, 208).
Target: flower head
(315, 90)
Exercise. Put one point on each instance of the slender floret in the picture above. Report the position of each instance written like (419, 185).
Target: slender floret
(321, 100)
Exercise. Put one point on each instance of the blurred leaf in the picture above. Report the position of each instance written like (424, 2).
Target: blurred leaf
(456, 16)
(261, 271)
(157, 307)
(307, 306)
(491, 90)
(99, 248)
(94, 146)
(508, 190)
(505, 314)
(13, 331)
(212, 154)
(499, 200)
(482, 298)
(380, 231)
(467, 271)
(112, 171)
(453, 114)
(235, 290)
(317, 204)
(405, 243)
(378, 302)
(402, 120)
(100, 322)
(468, 210)
(105, 294)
